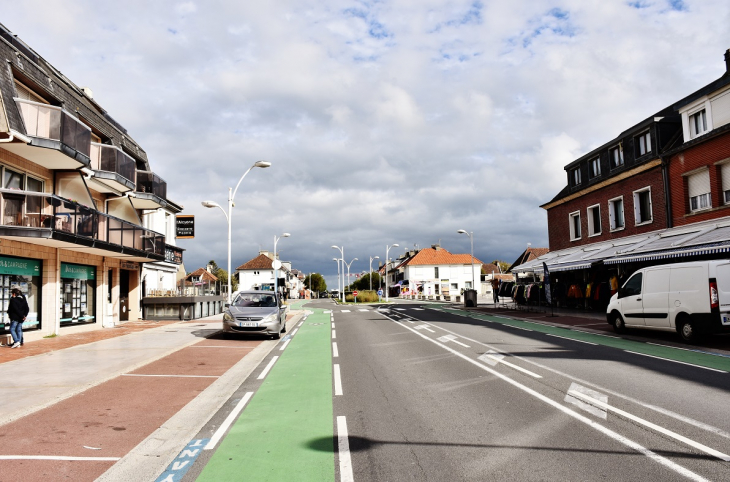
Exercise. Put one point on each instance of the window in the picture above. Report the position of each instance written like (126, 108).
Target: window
(698, 123)
(698, 186)
(594, 220)
(25, 93)
(616, 213)
(594, 168)
(725, 176)
(13, 180)
(644, 143)
(574, 177)
(642, 206)
(574, 226)
(616, 156)
(467, 285)
(436, 272)
(632, 286)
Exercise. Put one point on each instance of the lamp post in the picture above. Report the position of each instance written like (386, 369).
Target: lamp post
(276, 269)
(371, 270)
(471, 238)
(348, 271)
(337, 260)
(229, 215)
(342, 257)
(387, 249)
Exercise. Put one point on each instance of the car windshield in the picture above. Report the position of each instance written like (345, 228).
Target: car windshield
(255, 299)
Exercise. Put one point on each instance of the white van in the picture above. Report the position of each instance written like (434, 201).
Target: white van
(691, 298)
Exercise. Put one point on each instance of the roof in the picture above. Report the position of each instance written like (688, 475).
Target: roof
(708, 237)
(259, 262)
(528, 255)
(204, 274)
(433, 256)
(490, 269)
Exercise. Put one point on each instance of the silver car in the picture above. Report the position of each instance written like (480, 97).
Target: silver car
(255, 313)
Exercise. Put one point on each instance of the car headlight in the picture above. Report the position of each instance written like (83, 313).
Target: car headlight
(270, 318)
(227, 317)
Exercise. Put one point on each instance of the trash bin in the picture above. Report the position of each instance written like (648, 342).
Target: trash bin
(470, 298)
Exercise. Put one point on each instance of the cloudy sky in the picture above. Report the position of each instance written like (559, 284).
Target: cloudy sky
(385, 121)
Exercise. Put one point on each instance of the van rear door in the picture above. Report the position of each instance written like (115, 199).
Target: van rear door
(689, 288)
(722, 275)
(656, 297)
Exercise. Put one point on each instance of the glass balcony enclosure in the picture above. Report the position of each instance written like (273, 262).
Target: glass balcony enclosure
(111, 159)
(26, 209)
(149, 182)
(51, 122)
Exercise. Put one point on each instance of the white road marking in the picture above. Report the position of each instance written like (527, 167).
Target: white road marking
(491, 358)
(363, 309)
(675, 361)
(646, 423)
(345, 311)
(327, 311)
(338, 380)
(59, 457)
(418, 309)
(400, 309)
(333, 325)
(228, 421)
(168, 376)
(268, 367)
(499, 358)
(604, 430)
(424, 327)
(294, 331)
(452, 338)
(343, 450)
(572, 339)
(588, 407)
(335, 352)
(284, 344)
(334, 334)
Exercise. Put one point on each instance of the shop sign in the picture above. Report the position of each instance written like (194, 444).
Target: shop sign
(77, 271)
(173, 255)
(128, 265)
(185, 226)
(20, 266)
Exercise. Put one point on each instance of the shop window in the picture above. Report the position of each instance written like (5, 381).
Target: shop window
(574, 225)
(698, 123)
(616, 156)
(642, 206)
(594, 220)
(24, 274)
(78, 285)
(698, 186)
(643, 143)
(594, 168)
(616, 213)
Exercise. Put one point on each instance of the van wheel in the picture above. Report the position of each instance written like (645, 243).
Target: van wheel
(618, 323)
(688, 332)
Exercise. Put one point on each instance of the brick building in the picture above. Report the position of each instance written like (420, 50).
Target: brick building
(74, 187)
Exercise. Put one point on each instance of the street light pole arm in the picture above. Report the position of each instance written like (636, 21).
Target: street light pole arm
(239, 182)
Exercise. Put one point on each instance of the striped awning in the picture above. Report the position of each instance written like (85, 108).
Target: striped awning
(673, 253)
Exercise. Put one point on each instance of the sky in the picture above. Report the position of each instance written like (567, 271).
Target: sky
(384, 121)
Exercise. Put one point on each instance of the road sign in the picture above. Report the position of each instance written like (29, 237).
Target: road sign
(354, 293)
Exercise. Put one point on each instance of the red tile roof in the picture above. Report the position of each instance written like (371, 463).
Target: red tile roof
(432, 256)
(490, 269)
(259, 262)
(204, 275)
(528, 255)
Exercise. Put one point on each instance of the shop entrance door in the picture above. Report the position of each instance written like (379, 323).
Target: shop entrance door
(123, 295)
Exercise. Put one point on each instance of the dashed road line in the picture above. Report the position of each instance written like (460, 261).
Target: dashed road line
(676, 361)
(335, 352)
(338, 380)
(343, 450)
(334, 334)
(268, 367)
(228, 421)
(572, 339)
(285, 344)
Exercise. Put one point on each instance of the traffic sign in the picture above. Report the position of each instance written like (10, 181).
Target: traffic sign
(354, 293)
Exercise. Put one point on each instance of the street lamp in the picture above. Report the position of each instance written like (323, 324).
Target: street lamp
(371, 270)
(471, 238)
(337, 260)
(276, 265)
(348, 271)
(229, 215)
(387, 248)
(342, 257)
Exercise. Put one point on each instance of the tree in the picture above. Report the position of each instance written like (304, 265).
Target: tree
(502, 264)
(317, 281)
(363, 282)
(222, 276)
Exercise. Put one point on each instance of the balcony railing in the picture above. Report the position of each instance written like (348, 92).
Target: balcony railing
(41, 210)
(51, 122)
(147, 181)
(111, 159)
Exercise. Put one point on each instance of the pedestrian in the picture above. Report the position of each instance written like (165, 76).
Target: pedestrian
(495, 290)
(17, 311)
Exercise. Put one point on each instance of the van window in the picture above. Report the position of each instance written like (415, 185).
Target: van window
(657, 281)
(633, 286)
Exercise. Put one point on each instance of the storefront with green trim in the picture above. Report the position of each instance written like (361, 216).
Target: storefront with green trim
(24, 274)
(77, 301)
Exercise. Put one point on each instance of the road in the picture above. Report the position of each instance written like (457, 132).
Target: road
(431, 394)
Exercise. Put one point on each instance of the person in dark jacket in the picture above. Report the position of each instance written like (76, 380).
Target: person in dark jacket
(17, 311)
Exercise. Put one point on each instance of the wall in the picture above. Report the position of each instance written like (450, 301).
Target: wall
(559, 222)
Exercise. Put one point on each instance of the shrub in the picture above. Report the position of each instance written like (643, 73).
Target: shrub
(363, 297)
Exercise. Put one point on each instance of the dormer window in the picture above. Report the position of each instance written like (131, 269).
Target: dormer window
(594, 168)
(616, 156)
(644, 143)
(698, 123)
(575, 177)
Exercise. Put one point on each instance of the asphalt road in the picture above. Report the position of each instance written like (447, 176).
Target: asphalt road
(428, 394)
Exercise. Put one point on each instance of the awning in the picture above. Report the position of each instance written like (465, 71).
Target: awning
(676, 253)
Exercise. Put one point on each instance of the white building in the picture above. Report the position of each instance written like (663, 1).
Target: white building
(161, 278)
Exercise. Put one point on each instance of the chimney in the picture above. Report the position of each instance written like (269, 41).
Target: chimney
(727, 61)
(88, 93)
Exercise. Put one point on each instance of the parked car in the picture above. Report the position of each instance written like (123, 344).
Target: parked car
(691, 298)
(255, 313)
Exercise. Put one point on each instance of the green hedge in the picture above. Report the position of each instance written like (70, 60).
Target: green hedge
(363, 297)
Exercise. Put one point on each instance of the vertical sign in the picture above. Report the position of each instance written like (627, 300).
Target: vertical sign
(548, 295)
(185, 226)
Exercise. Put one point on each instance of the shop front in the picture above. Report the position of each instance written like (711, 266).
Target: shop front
(24, 274)
(77, 300)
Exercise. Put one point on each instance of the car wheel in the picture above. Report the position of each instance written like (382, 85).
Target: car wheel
(277, 336)
(688, 332)
(283, 327)
(618, 323)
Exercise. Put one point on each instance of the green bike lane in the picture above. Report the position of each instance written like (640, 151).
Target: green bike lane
(286, 430)
(682, 355)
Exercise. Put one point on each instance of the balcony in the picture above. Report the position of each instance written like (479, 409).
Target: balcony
(151, 191)
(58, 140)
(114, 171)
(50, 220)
